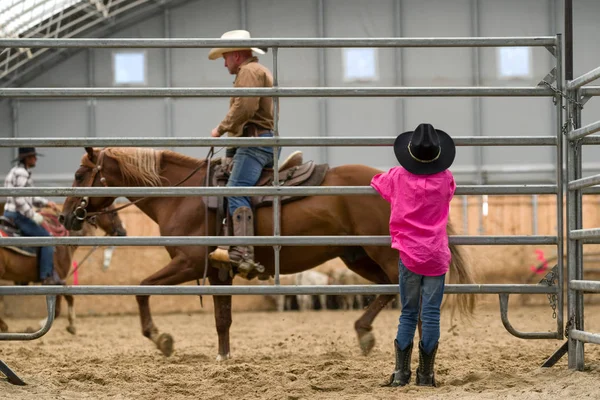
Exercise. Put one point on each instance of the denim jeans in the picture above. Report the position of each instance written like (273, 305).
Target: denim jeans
(424, 294)
(29, 228)
(248, 163)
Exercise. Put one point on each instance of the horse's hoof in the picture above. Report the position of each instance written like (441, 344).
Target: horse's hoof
(72, 330)
(165, 344)
(223, 358)
(366, 342)
(3, 327)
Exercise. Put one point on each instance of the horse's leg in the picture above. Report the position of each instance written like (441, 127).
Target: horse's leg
(3, 326)
(364, 266)
(179, 270)
(222, 315)
(359, 299)
(43, 321)
(71, 314)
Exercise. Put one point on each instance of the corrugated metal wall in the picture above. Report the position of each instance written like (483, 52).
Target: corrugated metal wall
(332, 116)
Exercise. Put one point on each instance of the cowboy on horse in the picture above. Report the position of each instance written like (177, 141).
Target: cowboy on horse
(248, 117)
(20, 210)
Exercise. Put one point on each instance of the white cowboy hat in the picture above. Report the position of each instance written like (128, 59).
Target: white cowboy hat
(237, 34)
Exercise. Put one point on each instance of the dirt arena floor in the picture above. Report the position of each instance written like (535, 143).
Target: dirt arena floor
(291, 355)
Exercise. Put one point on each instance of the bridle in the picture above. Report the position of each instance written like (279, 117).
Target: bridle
(81, 213)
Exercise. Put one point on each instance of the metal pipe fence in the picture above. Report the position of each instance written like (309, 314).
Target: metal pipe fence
(552, 43)
(576, 137)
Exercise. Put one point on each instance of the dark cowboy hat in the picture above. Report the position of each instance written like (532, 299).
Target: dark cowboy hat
(26, 152)
(425, 150)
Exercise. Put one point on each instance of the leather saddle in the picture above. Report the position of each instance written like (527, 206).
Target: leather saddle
(9, 229)
(292, 172)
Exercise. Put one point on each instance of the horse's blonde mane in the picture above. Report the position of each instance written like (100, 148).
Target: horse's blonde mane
(140, 166)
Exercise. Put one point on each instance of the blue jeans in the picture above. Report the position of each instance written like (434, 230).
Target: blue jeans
(248, 163)
(419, 293)
(29, 228)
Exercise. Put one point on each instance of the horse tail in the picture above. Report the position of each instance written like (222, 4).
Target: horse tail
(460, 273)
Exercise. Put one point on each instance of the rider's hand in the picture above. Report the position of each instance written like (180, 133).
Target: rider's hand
(38, 218)
(215, 133)
(53, 205)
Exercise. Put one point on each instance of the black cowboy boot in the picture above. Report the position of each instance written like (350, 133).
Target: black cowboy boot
(425, 372)
(401, 374)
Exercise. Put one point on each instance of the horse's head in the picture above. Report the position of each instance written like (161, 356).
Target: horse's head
(122, 167)
(95, 170)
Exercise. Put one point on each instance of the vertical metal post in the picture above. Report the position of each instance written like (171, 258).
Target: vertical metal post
(553, 30)
(322, 59)
(534, 214)
(168, 74)
(276, 199)
(465, 212)
(477, 120)
(568, 40)
(244, 14)
(399, 68)
(15, 123)
(91, 104)
(560, 187)
(571, 225)
(579, 350)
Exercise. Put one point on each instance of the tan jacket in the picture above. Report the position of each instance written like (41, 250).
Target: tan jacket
(243, 110)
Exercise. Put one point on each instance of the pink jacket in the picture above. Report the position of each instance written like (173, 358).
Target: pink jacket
(420, 205)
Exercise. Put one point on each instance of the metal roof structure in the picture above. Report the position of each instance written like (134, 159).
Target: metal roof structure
(62, 19)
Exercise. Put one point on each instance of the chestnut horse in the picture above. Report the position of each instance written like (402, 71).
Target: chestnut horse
(186, 216)
(24, 269)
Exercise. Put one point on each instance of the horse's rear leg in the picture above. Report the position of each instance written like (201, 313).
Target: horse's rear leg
(71, 314)
(3, 326)
(364, 266)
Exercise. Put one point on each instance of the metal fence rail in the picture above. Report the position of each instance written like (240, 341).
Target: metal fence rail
(262, 191)
(262, 289)
(516, 140)
(442, 91)
(540, 41)
(262, 240)
(552, 43)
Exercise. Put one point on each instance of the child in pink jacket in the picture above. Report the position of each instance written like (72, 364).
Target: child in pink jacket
(419, 192)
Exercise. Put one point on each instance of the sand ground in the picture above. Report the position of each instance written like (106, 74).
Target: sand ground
(291, 355)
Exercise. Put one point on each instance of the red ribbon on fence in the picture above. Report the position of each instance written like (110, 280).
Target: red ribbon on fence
(543, 267)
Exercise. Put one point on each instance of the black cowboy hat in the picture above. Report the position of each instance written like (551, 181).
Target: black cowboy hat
(425, 150)
(26, 152)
